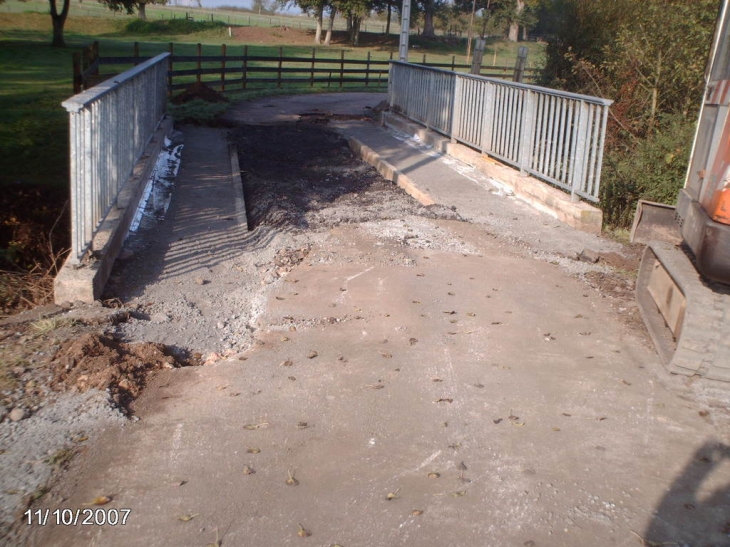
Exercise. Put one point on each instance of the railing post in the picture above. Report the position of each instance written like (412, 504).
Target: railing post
(488, 121)
(527, 143)
(456, 107)
(578, 172)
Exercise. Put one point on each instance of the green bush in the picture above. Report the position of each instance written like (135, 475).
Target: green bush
(652, 168)
(172, 27)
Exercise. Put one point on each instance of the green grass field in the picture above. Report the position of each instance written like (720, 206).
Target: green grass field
(35, 78)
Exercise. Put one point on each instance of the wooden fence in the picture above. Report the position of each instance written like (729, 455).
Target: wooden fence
(256, 72)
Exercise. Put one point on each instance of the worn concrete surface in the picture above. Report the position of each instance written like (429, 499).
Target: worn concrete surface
(547, 418)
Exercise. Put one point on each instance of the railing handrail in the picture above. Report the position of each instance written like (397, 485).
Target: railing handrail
(83, 99)
(553, 135)
(546, 90)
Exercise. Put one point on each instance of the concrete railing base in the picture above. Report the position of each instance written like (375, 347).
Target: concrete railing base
(85, 282)
(548, 199)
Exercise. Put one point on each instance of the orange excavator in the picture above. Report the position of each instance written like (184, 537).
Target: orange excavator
(683, 285)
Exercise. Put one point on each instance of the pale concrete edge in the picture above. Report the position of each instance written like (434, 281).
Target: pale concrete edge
(389, 172)
(86, 282)
(237, 186)
(540, 195)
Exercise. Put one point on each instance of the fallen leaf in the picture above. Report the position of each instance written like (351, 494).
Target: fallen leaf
(221, 388)
(625, 382)
(515, 420)
(303, 532)
(461, 466)
(416, 512)
(455, 446)
(602, 418)
(433, 475)
(290, 480)
(187, 518)
(567, 415)
(280, 298)
(285, 338)
(454, 321)
(416, 302)
(375, 386)
(292, 378)
(704, 413)
(179, 483)
(420, 275)
(496, 322)
(459, 494)
(452, 312)
(470, 314)
(479, 385)
(312, 354)
(385, 354)
(252, 427)
(253, 451)
(556, 429)
(435, 379)
(412, 341)
(79, 439)
(392, 495)
(99, 500)
(286, 363)
(236, 394)
(444, 400)
(585, 333)
(248, 470)
(302, 425)
(497, 420)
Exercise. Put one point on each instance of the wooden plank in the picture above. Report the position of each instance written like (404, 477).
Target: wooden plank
(668, 297)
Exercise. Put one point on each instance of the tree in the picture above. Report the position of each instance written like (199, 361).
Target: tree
(58, 19)
(649, 57)
(130, 5)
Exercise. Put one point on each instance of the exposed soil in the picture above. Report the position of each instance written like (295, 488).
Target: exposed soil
(199, 90)
(304, 177)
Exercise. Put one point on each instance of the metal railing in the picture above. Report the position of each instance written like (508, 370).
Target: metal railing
(110, 125)
(554, 135)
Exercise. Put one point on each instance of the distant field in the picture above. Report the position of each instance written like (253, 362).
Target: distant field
(35, 78)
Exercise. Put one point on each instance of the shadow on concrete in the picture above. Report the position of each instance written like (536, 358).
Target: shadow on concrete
(696, 508)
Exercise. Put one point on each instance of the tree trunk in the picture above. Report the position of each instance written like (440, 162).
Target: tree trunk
(142, 11)
(428, 31)
(59, 20)
(387, 19)
(514, 26)
(330, 26)
(318, 31)
(355, 33)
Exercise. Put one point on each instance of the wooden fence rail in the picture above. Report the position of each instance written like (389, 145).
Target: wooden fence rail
(254, 72)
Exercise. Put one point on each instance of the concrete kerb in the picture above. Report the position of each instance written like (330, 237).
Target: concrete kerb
(237, 183)
(85, 282)
(540, 195)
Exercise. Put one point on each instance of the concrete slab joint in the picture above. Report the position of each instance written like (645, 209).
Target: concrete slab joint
(86, 282)
(548, 199)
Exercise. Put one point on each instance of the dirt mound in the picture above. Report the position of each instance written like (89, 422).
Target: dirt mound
(199, 90)
(101, 362)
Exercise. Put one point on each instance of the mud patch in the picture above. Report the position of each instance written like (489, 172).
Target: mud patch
(100, 362)
(305, 177)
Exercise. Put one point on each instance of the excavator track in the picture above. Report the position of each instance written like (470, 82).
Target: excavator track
(688, 318)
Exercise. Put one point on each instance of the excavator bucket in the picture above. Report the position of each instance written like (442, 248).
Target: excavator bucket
(655, 222)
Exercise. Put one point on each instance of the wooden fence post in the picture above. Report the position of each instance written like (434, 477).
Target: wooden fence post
(135, 53)
(367, 70)
(245, 65)
(342, 66)
(278, 79)
(169, 69)
(311, 77)
(200, 53)
(77, 77)
(223, 67)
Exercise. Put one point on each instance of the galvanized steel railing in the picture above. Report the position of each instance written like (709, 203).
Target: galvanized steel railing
(553, 135)
(110, 125)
